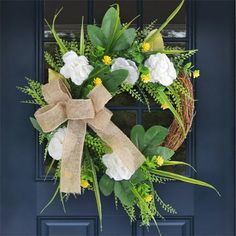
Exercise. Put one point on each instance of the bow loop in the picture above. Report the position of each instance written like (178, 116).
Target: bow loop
(55, 91)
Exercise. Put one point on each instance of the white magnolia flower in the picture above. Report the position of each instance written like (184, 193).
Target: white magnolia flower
(161, 69)
(55, 144)
(76, 67)
(122, 63)
(115, 168)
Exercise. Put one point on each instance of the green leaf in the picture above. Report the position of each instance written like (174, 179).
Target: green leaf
(137, 177)
(95, 187)
(173, 14)
(165, 100)
(55, 35)
(164, 152)
(51, 200)
(154, 136)
(114, 79)
(137, 136)
(96, 36)
(35, 124)
(126, 40)
(111, 23)
(183, 179)
(174, 163)
(81, 45)
(124, 193)
(155, 40)
(106, 185)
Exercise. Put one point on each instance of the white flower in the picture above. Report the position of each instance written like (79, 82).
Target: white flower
(130, 66)
(161, 69)
(55, 144)
(115, 168)
(76, 67)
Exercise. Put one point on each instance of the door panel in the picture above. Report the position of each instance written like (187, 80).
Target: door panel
(209, 26)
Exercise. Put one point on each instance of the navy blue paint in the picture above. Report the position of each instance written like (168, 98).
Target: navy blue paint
(200, 211)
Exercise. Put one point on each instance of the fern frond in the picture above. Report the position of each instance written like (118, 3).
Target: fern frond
(34, 90)
(57, 172)
(167, 207)
(175, 98)
(129, 88)
(130, 211)
(51, 61)
(96, 144)
(179, 88)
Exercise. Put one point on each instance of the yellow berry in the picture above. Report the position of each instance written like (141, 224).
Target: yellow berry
(145, 47)
(164, 106)
(148, 198)
(97, 81)
(107, 60)
(84, 183)
(159, 160)
(145, 78)
(196, 73)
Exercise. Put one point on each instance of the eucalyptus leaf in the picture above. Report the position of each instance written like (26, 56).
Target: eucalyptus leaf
(164, 152)
(126, 40)
(106, 185)
(137, 177)
(153, 137)
(114, 79)
(137, 136)
(96, 35)
(124, 192)
(35, 124)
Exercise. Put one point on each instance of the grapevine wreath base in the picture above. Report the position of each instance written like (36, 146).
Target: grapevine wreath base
(175, 136)
(85, 150)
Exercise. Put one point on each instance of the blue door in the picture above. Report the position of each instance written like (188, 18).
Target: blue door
(206, 25)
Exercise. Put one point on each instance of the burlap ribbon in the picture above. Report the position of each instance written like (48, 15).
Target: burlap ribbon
(80, 112)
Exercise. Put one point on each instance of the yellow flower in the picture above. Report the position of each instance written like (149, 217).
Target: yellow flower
(107, 60)
(84, 183)
(97, 81)
(145, 78)
(145, 47)
(164, 106)
(196, 73)
(148, 198)
(159, 160)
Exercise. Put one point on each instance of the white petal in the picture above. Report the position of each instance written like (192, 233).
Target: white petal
(70, 57)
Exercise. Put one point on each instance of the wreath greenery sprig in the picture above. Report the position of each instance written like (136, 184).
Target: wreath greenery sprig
(123, 60)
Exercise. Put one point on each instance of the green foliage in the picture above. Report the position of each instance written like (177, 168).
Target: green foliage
(33, 89)
(112, 35)
(106, 185)
(183, 178)
(95, 186)
(51, 61)
(180, 59)
(130, 211)
(179, 88)
(130, 89)
(149, 142)
(96, 144)
(114, 79)
(141, 34)
(167, 207)
(122, 190)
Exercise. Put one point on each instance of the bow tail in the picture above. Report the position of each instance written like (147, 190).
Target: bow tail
(72, 157)
(126, 151)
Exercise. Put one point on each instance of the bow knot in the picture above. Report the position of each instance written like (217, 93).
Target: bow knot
(80, 112)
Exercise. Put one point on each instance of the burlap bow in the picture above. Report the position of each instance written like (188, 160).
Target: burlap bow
(80, 112)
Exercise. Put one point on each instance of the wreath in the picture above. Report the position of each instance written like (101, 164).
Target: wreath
(86, 149)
